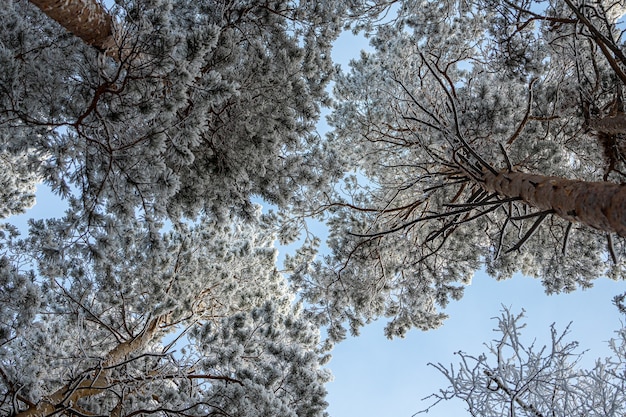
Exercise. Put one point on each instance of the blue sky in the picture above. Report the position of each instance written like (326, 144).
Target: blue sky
(379, 377)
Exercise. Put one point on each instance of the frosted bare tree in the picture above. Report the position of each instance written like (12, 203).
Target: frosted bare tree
(516, 378)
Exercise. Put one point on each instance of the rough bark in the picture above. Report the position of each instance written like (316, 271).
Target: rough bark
(612, 125)
(600, 205)
(86, 19)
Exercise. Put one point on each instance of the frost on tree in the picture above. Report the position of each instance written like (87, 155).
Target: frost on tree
(191, 322)
(515, 378)
(171, 108)
(148, 111)
(17, 184)
(153, 113)
(481, 134)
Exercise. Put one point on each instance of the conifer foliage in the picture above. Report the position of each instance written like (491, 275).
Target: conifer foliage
(144, 118)
(481, 134)
(157, 122)
(195, 321)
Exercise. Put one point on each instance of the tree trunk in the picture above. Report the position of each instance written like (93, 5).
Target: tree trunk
(86, 19)
(601, 205)
(612, 125)
(98, 382)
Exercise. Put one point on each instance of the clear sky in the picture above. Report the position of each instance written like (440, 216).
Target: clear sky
(377, 377)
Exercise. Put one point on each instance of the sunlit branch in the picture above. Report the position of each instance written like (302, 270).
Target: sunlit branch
(512, 395)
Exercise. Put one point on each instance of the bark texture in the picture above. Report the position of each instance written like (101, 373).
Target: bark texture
(612, 125)
(86, 19)
(601, 205)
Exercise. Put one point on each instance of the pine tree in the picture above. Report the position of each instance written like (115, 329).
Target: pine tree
(168, 107)
(481, 134)
(131, 321)
(157, 122)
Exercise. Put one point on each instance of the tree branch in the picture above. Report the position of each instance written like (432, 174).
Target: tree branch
(85, 19)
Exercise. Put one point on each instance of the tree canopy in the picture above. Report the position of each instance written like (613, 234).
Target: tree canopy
(478, 134)
(158, 122)
(151, 128)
